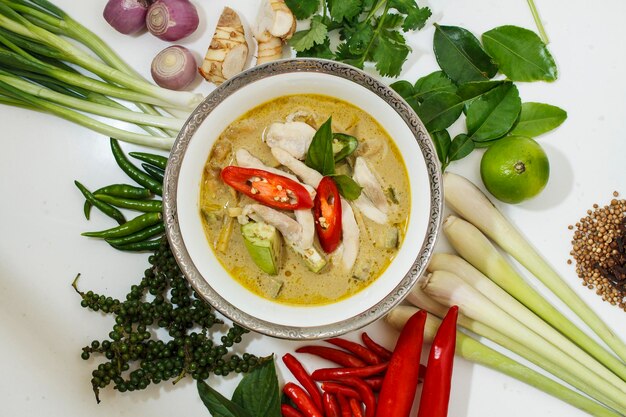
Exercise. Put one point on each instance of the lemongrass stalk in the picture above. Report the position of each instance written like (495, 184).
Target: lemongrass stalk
(476, 249)
(95, 125)
(90, 107)
(23, 27)
(474, 351)
(448, 289)
(475, 278)
(420, 299)
(468, 201)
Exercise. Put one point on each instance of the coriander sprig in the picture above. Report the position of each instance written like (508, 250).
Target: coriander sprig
(366, 34)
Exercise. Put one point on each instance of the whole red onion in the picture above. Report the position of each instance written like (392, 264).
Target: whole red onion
(172, 20)
(126, 16)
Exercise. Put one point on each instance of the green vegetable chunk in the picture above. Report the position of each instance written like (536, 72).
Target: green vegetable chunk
(264, 245)
(312, 258)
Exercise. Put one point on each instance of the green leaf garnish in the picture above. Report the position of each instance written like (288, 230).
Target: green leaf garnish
(320, 156)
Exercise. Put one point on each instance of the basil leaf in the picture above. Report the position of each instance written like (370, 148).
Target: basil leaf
(460, 147)
(407, 92)
(461, 56)
(493, 114)
(520, 54)
(347, 187)
(303, 9)
(538, 118)
(441, 140)
(433, 83)
(440, 110)
(346, 144)
(217, 404)
(320, 155)
(258, 392)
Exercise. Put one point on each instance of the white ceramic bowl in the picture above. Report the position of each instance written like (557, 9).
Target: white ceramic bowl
(182, 187)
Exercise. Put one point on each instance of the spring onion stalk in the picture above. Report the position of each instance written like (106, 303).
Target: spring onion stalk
(448, 289)
(38, 41)
(79, 118)
(474, 351)
(14, 22)
(90, 107)
(50, 17)
(476, 249)
(472, 276)
(470, 203)
(420, 299)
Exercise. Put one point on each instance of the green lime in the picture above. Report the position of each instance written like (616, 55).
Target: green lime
(515, 169)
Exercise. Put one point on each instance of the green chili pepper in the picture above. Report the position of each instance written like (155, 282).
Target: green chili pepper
(147, 206)
(154, 160)
(125, 191)
(132, 171)
(119, 190)
(130, 227)
(139, 236)
(101, 205)
(146, 245)
(343, 145)
(156, 173)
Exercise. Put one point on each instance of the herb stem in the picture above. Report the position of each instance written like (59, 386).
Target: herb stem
(376, 31)
(535, 13)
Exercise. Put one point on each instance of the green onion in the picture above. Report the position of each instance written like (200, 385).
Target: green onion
(448, 289)
(36, 49)
(467, 200)
(474, 351)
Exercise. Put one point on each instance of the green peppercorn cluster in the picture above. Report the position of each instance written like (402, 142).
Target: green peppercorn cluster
(162, 300)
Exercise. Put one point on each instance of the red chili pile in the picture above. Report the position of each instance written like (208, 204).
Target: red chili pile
(373, 381)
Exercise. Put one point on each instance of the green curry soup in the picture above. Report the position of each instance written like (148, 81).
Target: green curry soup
(294, 282)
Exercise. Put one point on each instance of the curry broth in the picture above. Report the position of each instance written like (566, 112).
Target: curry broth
(299, 284)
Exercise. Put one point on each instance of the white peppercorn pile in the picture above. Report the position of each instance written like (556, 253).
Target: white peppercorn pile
(599, 249)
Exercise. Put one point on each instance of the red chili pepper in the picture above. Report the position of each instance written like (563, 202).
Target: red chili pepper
(270, 189)
(331, 407)
(375, 383)
(327, 214)
(337, 388)
(381, 351)
(436, 391)
(362, 352)
(288, 411)
(304, 378)
(326, 374)
(302, 400)
(344, 406)
(365, 392)
(398, 391)
(355, 406)
(334, 355)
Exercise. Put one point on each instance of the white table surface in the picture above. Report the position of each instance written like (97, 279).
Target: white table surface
(43, 326)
